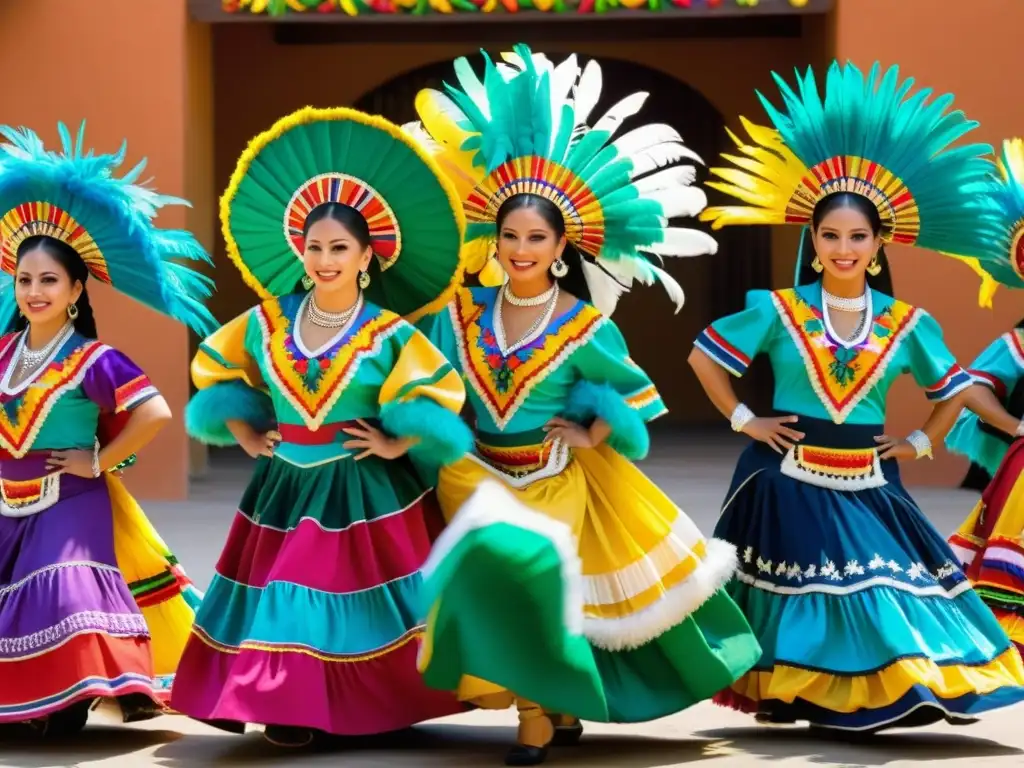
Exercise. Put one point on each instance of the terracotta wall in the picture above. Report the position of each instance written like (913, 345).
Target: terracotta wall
(726, 72)
(975, 55)
(123, 67)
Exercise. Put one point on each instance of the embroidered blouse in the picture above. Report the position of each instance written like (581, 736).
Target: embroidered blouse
(577, 368)
(79, 389)
(819, 376)
(257, 369)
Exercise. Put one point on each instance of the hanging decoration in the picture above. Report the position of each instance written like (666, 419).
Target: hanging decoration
(423, 7)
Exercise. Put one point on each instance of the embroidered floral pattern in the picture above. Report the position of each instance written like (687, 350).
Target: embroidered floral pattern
(313, 385)
(504, 383)
(842, 376)
(23, 414)
(830, 570)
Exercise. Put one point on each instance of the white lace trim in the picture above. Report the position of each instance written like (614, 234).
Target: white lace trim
(116, 624)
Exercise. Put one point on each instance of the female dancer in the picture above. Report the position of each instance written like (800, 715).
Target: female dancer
(566, 582)
(92, 605)
(312, 621)
(988, 544)
(865, 620)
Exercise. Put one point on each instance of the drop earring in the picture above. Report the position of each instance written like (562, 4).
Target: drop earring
(307, 282)
(875, 267)
(816, 264)
(364, 280)
(72, 312)
(559, 268)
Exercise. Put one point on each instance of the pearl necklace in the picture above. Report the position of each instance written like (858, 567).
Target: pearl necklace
(30, 359)
(528, 301)
(324, 319)
(534, 330)
(858, 304)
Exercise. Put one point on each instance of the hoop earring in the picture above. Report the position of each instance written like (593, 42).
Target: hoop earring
(816, 264)
(364, 280)
(72, 312)
(308, 282)
(875, 267)
(559, 268)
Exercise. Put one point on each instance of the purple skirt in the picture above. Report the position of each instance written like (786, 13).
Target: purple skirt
(69, 627)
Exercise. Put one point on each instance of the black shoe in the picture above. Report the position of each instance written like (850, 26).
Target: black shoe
(137, 707)
(288, 736)
(770, 718)
(521, 754)
(568, 735)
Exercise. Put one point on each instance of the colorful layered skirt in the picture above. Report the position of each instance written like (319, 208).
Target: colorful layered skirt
(571, 581)
(990, 544)
(92, 604)
(315, 614)
(865, 618)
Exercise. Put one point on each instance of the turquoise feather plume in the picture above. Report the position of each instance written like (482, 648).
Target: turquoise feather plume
(145, 262)
(526, 107)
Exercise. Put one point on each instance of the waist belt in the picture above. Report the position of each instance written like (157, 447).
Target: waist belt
(27, 487)
(843, 457)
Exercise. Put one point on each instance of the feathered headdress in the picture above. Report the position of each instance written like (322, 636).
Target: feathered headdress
(315, 156)
(999, 258)
(74, 196)
(526, 128)
(868, 136)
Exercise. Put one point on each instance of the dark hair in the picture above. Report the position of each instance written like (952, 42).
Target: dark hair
(351, 219)
(805, 273)
(76, 269)
(574, 281)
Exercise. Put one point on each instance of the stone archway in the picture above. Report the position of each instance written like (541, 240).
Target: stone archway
(714, 285)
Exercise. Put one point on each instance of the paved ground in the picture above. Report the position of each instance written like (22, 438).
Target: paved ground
(696, 479)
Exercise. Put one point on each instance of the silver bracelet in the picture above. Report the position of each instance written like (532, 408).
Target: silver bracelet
(921, 442)
(741, 416)
(96, 460)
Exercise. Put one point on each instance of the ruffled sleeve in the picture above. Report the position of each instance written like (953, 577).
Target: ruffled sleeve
(116, 384)
(422, 398)
(932, 364)
(230, 386)
(735, 340)
(999, 367)
(612, 387)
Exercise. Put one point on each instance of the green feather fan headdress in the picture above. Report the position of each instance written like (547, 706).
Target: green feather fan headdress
(870, 136)
(74, 196)
(315, 156)
(527, 128)
(999, 257)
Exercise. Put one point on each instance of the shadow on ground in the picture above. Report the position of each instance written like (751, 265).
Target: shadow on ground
(441, 745)
(775, 744)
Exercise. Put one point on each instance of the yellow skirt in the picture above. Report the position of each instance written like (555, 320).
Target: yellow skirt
(645, 565)
(163, 592)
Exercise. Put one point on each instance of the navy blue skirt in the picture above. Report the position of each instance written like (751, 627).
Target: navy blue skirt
(865, 618)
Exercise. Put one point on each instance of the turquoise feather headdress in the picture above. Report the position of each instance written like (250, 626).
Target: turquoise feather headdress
(870, 136)
(75, 196)
(999, 258)
(527, 128)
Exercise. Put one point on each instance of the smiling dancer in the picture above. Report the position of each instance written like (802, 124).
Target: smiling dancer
(92, 604)
(566, 581)
(865, 619)
(313, 619)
